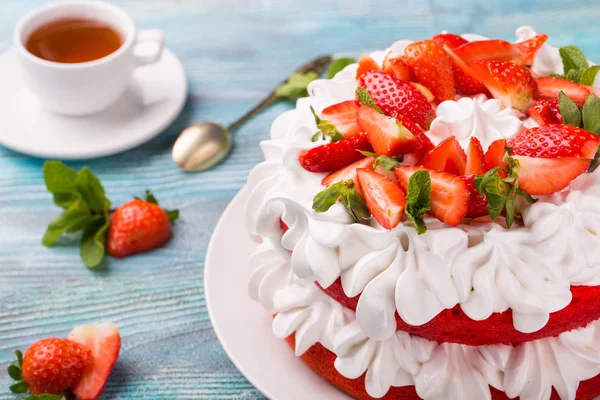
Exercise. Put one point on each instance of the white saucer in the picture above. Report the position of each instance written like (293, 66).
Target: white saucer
(152, 101)
(243, 326)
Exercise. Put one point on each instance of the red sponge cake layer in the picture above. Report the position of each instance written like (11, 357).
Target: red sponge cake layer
(455, 326)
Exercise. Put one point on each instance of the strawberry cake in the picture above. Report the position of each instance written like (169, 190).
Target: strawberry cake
(429, 222)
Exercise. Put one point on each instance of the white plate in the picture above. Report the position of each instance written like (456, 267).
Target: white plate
(243, 326)
(152, 101)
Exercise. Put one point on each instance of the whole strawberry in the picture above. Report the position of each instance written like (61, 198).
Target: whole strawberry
(50, 366)
(139, 226)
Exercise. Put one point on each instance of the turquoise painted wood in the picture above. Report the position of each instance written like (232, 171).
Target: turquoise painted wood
(233, 51)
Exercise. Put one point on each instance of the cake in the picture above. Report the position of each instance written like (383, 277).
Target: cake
(428, 222)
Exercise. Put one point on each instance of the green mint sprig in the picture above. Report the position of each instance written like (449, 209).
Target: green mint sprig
(387, 163)
(587, 118)
(344, 192)
(326, 129)
(418, 199)
(576, 66)
(365, 98)
(296, 85)
(337, 65)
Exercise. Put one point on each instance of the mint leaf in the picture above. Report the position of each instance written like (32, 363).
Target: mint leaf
(19, 387)
(388, 163)
(296, 85)
(418, 199)
(572, 58)
(326, 128)
(496, 191)
(591, 114)
(569, 110)
(588, 77)
(326, 198)
(93, 243)
(45, 397)
(91, 190)
(365, 98)
(574, 75)
(58, 177)
(354, 204)
(72, 220)
(337, 65)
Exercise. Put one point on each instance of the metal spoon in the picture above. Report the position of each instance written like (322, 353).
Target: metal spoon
(203, 145)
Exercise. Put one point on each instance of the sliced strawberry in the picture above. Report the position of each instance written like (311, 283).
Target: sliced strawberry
(542, 176)
(545, 112)
(555, 141)
(348, 173)
(488, 50)
(432, 67)
(104, 341)
(449, 193)
(528, 48)
(475, 158)
(395, 66)
(494, 155)
(343, 116)
(466, 80)
(284, 226)
(548, 88)
(366, 64)
(447, 156)
(334, 156)
(396, 97)
(388, 136)
(385, 200)
(477, 201)
(508, 82)
(449, 39)
(426, 92)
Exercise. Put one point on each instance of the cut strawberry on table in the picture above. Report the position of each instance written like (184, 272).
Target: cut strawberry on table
(348, 173)
(396, 97)
(450, 39)
(548, 88)
(449, 193)
(388, 136)
(366, 64)
(394, 65)
(475, 158)
(342, 116)
(104, 341)
(334, 156)
(477, 201)
(488, 50)
(447, 156)
(529, 48)
(510, 83)
(555, 141)
(385, 200)
(545, 112)
(432, 66)
(466, 80)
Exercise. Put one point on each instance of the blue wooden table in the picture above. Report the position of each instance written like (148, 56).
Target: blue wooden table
(233, 51)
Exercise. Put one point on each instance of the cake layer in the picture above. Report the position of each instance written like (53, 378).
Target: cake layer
(455, 327)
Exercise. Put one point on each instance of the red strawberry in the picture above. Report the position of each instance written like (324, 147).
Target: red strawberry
(426, 92)
(348, 173)
(477, 201)
(494, 155)
(334, 156)
(447, 156)
(542, 176)
(466, 80)
(385, 200)
(104, 341)
(449, 39)
(432, 67)
(449, 193)
(343, 117)
(508, 82)
(528, 48)
(137, 226)
(475, 158)
(52, 365)
(366, 64)
(388, 135)
(545, 112)
(395, 66)
(284, 226)
(488, 50)
(555, 141)
(549, 88)
(396, 97)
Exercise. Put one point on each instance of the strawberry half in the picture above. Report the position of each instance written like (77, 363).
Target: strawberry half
(388, 136)
(348, 173)
(397, 97)
(395, 66)
(542, 176)
(555, 141)
(528, 48)
(385, 200)
(432, 67)
(447, 156)
(343, 116)
(477, 201)
(466, 80)
(488, 50)
(334, 156)
(548, 88)
(508, 82)
(104, 341)
(449, 39)
(366, 64)
(449, 193)
(494, 155)
(545, 112)
(475, 158)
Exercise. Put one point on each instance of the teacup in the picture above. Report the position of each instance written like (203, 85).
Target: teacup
(84, 88)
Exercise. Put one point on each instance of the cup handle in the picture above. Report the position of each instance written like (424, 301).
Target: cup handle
(148, 47)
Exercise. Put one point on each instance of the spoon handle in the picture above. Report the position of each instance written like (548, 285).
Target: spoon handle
(317, 65)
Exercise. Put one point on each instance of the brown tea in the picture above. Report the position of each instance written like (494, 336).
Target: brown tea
(73, 40)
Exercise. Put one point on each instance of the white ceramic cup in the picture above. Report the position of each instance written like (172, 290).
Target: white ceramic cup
(88, 87)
